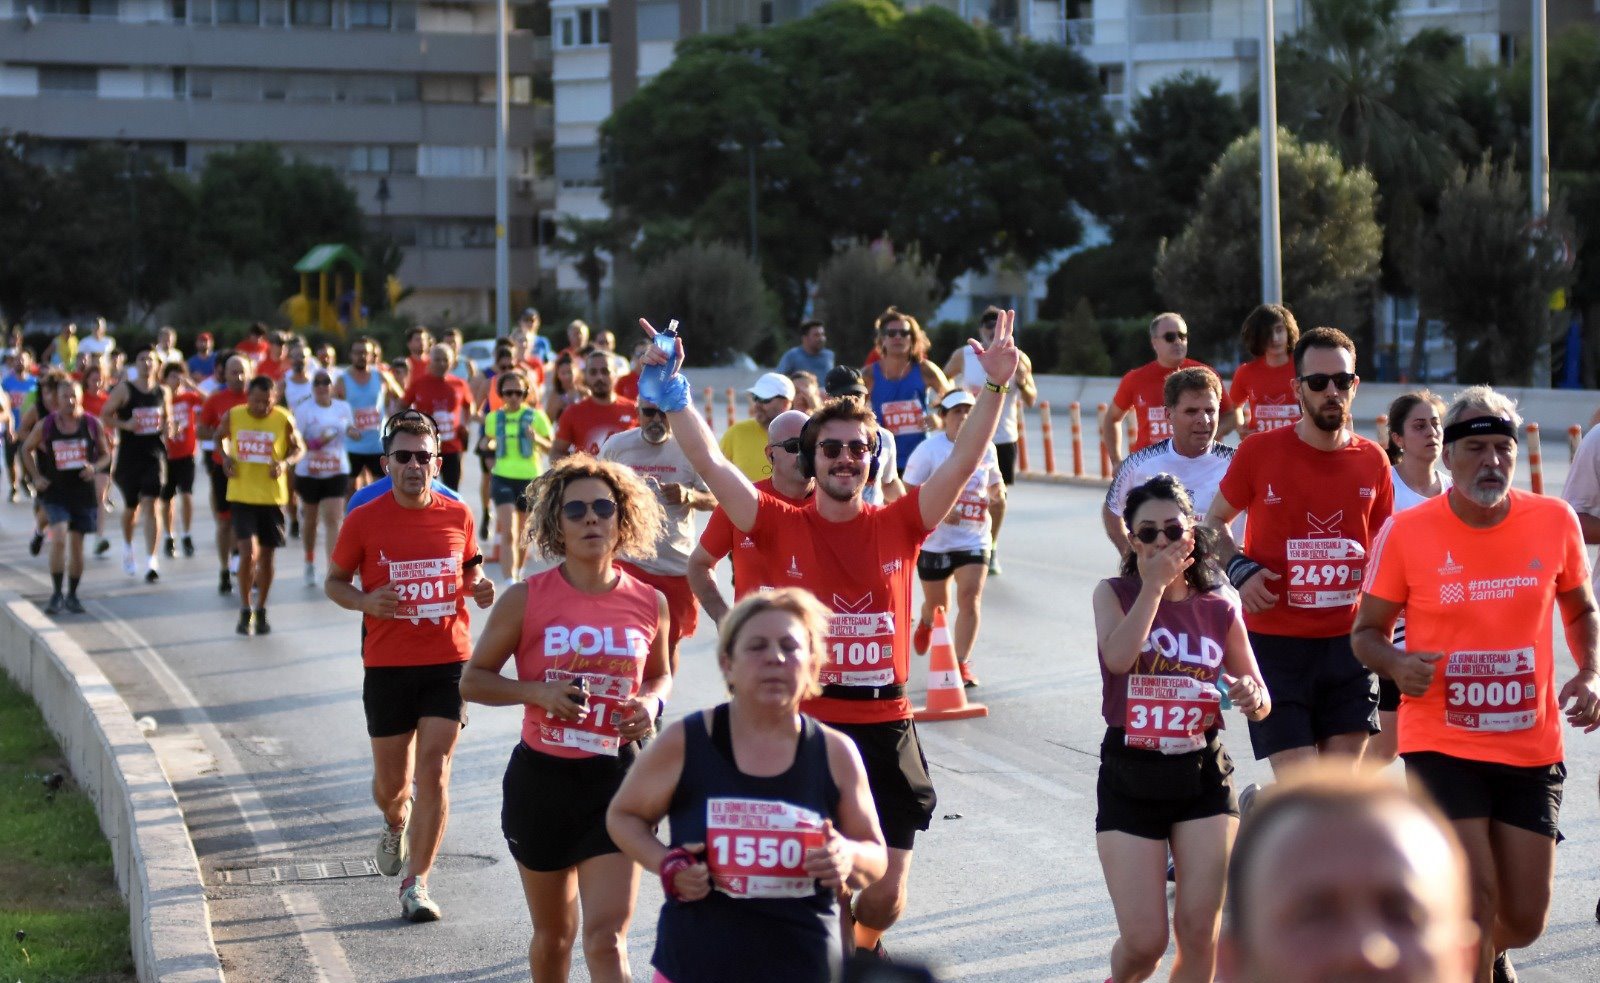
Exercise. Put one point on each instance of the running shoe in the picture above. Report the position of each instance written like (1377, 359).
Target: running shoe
(224, 583)
(994, 563)
(243, 627)
(294, 528)
(967, 678)
(393, 849)
(483, 527)
(1504, 972)
(36, 543)
(130, 566)
(416, 906)
(233, 562)
(56, 601)
(102, 548)
(151, 575)
(13, 495)
(922, 637)
(170, 547)
(1247, 798)
(875, 954)
(74, 605)
(311, 575)
(262, 628)
(188, 546)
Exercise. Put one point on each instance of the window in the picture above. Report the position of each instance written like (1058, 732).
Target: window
(369, 160)
(274, 12)
(583, 27)
(199, 84)
(369, 13)
(405, 16)
(522, 89)
(236, 86)
(311, 13)
(69, 80)
(238, 12)
(449, 88)
(76, 9)
(312, 87)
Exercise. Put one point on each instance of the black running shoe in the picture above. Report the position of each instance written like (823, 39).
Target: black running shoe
(243, 627)
(36, 544)
(56, 601)
(1504, 972)
(73, 604)
(294, 528)
(151, 576)
(102, 548)
(224, 583)
(188, 546)
(262, 628)
(171, 547)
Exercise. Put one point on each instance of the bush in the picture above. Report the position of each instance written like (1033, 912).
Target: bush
(249, 294)
(716, 294)
(858, 282)
(1081, 347)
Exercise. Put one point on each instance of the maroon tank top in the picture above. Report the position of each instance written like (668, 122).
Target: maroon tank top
(1187, 638)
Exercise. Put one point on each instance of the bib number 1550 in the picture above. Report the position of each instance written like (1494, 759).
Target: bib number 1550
(757, 852)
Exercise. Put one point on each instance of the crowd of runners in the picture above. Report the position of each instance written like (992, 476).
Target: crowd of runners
(1353, 602)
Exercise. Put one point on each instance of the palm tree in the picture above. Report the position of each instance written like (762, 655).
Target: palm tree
(587, 242)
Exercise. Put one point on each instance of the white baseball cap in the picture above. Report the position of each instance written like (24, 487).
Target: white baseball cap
(770, 385)
(956, 397)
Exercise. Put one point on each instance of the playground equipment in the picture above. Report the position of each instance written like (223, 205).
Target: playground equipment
(322, 310)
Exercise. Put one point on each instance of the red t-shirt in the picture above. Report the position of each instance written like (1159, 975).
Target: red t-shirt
(272, 368)
(861, 570)
(448, 401)
(721, 538)
(186, 406)
(94, 402)
(586, 424)
(422, 552)
(1268, 390)
(628, 386)
(1311, 515)
(418, 365)
(1141, 391)
(254, 349)
(215, 410)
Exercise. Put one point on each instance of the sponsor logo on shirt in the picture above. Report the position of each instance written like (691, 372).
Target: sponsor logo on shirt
(1364, 492)
(1498, 588)
(1451, 594)
(1534, 564)
(1271, 498)
(1450, 567)
(1321, 528)
(794, 567)
(892, 567)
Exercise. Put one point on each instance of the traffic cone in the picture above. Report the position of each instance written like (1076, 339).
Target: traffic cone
(947, 695)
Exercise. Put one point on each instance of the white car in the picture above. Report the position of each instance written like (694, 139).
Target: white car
(480, 353)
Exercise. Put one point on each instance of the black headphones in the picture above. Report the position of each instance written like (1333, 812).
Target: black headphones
(408, 414)
(810, 435)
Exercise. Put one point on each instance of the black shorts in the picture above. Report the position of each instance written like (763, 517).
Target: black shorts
(485, 460)
(1146, 793)
(396, 697)
(450, 470)
(509, 491)
(897, 773)
(1318, 690)
(1388, 695)
(1006, 454)
(553, 810)
(219, 487)
(313, 490)
(939, 566)
(180, 478)
(140, 478)
(1527, 798)
(372, 464)
(263, 523)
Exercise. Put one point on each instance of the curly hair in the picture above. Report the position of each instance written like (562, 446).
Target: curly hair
(919, 339)
(639, 515)
(794, 600)
(1202, 575)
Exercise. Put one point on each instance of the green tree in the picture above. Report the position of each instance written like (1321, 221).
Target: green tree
(29, 231)
(858, 282)
(1490, 271)
(588, 242)
(713, 290)
(1330, 238)
(867, 121)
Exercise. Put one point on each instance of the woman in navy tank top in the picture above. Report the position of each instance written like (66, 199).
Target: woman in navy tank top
(769, 810)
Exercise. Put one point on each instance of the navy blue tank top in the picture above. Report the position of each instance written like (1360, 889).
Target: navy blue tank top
(901, 406)
(760, 922)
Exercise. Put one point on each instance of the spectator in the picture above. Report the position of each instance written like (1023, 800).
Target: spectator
(812, 354)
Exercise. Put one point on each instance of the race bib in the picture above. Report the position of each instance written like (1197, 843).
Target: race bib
(902, 416)
(972, 511)
(146, 420)
(445, 420)
(860, 650)
(1490, 691)
(1156, 419)
(1170, 714)
(1271, 416)
(1325, 573)
(70, 455)
(367, 419)
(427, 588)
(756, 848)
(321, 464)
(255, 446)
(597, 730)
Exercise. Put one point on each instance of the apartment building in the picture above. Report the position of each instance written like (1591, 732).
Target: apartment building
(397, 96)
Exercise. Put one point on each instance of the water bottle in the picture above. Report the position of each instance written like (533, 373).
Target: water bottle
(653, 377)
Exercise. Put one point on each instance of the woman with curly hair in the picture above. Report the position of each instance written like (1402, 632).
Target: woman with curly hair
(898, 382)
(590, 644)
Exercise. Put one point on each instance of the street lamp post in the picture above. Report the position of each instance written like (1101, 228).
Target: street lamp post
(1271, 249)
(750, 147)
(1541, 162)
(502, 204)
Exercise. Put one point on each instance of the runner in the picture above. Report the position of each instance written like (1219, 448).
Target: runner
(275, 363)
(1263, 388)
(1023, 390)
(99, 340)
(166, 346)
(812, 354)
(260, 445)
(62, 454)
(203, 363)
(1477, 571)
(959, 547)
(369, 389)
(322, 476)
(418, 563)
(590, 644)
(142, 410)
(486, 397)
(518, 434)
(563, 388)
(254, 345)
(42, 407)
(1165, 779)
(745, 443)
(770, 813)
(1413, 448)
(296, 385)
(1193, 401)
(186, 403)
(807, 391)
(92, 375)
(858, 559)
(899, 381)
(419, 345)
(381, 487)
(585, 425)
(237, 372)
(1141, 390)
(448, 401)
(655, 456)
(1316, 494)
(62, 352)
(22, 390)
(789, 483)
(883, 474)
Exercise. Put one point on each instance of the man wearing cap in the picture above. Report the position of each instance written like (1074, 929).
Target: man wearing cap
(745, 443)
(812, 354)
(203, 363)
(883, 475)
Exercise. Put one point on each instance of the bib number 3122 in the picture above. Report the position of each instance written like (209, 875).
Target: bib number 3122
(1170, 714)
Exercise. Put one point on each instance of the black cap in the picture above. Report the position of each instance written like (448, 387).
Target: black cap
(844, 381)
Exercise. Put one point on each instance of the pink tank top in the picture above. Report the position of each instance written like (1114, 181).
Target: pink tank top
(605, 639)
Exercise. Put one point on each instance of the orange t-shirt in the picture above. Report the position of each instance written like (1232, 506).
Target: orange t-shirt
(1268, 391)
(423, 552)
(861, 570)
(1141, 392)
(1311, 514)
(272, 368)
(1485, 598)
(721, 537)
(586, 424)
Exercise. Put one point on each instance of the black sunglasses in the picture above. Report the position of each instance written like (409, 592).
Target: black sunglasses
(833, 448)
(897, 333)
(650, 413)
(513, 392)
(604, 508)
(1319, 381)
(406, 457)
(1148, 534)
(792, 445)
(1172, 336)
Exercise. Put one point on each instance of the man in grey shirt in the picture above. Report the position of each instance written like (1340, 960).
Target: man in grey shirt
(810, 355)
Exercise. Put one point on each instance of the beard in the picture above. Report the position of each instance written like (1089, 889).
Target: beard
(1328, 418)
(1491, 495)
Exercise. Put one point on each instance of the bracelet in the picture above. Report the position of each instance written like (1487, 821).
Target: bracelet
(996, 387)
(676, 859)
(1240, 569)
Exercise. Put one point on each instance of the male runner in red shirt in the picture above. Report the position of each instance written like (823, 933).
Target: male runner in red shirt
(585, 425)
(448, 400)
(1141, 392)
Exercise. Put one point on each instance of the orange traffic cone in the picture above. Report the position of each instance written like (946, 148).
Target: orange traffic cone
(947, 695)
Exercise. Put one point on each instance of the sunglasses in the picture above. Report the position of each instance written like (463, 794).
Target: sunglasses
(1148, 534)
(790, 446)
(1318, 382)
(406, 457)
(1171, 336)
(768, 399)
(513, 392)
(833, 448)
(897, 333)
(604, 508)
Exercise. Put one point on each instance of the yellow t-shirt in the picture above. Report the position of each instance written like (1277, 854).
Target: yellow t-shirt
(745, 444)
(254, 443)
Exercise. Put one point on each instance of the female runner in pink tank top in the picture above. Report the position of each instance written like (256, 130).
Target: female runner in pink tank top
(590, 644)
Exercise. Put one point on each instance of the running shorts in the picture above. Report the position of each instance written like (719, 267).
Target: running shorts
(897, 774)
(1388, 695)
(1527, 798)
(450, 470)
(180, 478)
(140, 478)
(940, 566)
(313, 490)
(1006, 455)
(85, 519)
(372, 464)
(683, 612)
(263, 523)
(1145, 793)
(509, 491)
(1318, 690)
(396, 697)
(219, 487)
(553, 810)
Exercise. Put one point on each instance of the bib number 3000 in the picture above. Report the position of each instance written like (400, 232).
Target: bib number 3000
(1490, 691)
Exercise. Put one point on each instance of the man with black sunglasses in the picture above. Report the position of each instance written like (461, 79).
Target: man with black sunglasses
(858, 560)
(1140, 391)
(1315, 495)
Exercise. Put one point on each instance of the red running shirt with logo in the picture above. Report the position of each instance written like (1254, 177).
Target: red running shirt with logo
(720, 538)
(1268, 390)
(1142, 392)
(586, 424)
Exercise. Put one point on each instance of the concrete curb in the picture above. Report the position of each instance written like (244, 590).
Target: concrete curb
(1063, 479)
(151, 852)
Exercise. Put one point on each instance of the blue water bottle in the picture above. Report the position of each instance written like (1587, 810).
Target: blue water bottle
(652, 377)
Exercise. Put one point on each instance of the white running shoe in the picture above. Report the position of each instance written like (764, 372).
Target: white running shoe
(392, 851)
(130, 566)
(416, 906)
(311, 575)
(233, 563)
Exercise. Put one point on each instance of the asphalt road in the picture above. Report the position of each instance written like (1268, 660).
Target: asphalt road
(265, 741)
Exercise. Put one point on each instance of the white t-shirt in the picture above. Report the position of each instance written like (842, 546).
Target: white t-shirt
(97, 346)
(295, 393)
(973, 380)
(970, 531)
(1405, 498)
(1200, 475)
(887, 468)
(1582, 490)
(666, 464)
(329, 423)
